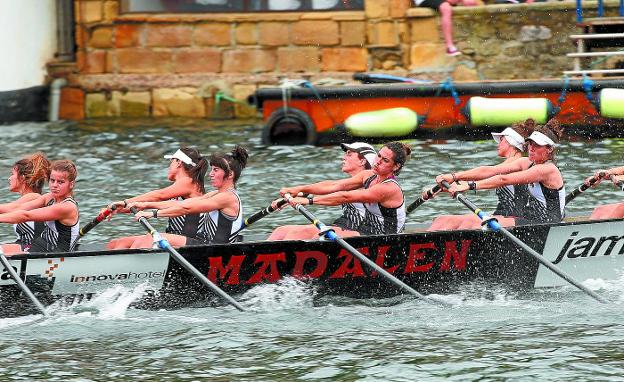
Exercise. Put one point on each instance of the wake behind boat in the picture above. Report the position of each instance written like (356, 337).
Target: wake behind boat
(440, 262)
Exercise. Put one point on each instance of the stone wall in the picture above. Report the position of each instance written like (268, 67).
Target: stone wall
(205, 65)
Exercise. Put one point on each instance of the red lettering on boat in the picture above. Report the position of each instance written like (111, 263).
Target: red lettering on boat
(458, 256)
(216, 269)
(381, 257)
(350, 265)
(267, 262)
(416, 253)
(320, 264)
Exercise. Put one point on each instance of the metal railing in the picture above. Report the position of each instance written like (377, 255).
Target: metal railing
(600, 13)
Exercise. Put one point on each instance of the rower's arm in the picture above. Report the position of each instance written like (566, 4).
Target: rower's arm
(616, 171)
(385, 193)
(39, 202)
(198, 205)
(484, 172)
(66, 213)
(170, 192)
(329, 186)
(540, 173)
(157, 205)
(17, 204)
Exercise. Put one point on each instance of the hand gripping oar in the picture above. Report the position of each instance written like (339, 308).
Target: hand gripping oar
(429, 194)
(583, 187)
(329, 233)
(21, 284)
(164, 244)
(257, 216)
(97, 220)
(495, 226)
(619, 184)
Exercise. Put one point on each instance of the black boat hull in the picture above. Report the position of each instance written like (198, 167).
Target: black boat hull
(436, 262)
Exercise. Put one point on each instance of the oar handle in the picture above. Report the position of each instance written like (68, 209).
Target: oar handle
(583, 187)
(495, 226)
(97, 220)
(164, 244)
(428, 195)
(329, 233)
(259, 215)
(264, 212)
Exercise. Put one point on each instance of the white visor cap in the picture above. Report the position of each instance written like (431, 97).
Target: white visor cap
(541, 139)
(362, 148)
(512, 137)
(179, 155)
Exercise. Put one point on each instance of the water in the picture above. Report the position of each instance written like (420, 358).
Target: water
(287, 333)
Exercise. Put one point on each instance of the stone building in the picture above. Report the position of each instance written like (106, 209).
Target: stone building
(146, 62)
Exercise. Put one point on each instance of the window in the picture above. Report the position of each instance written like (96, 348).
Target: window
(217, 6)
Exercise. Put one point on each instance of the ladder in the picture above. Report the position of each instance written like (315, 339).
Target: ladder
(602, 32)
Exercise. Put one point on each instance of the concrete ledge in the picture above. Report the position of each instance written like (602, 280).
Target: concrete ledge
(143, 82)
(237, 17)
(417, 12)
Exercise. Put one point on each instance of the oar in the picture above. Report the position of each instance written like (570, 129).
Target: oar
(583, 187)
(257, 216)
(429, 194)
(164, 244)
(21, 283)
(329, 233)
(97, 220)
(495, 226)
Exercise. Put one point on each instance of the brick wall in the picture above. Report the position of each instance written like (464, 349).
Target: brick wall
(193, 65)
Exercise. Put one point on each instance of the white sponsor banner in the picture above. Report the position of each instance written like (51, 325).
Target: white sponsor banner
(5, 277)
(583, 251)
(90, 274)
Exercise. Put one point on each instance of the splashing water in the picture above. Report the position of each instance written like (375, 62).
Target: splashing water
(288, 293)
(111, 303)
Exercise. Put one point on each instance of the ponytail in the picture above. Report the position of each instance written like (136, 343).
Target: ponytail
(35, 170)
(198, 171)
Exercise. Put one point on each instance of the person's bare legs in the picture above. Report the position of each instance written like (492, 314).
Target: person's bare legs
(608, 211)
(310, 232)
(121, 243)
(146, 241)
(446, 222)
(280, 233)
(11, 249)
(446, 23)
(302, 232)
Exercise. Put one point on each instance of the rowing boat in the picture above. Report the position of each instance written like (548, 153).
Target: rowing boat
(431, 262)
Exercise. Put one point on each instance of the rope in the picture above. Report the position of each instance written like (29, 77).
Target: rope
(447, 85)
(221, 95)
(308, 84)
(562, 96)
(588, 85)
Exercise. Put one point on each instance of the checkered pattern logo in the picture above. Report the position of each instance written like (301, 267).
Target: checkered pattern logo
(52, 266)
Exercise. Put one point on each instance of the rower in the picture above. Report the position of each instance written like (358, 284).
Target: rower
(220, 211)
(28, 176)
(613, 210)
(538, 184)
(511, 145)
(358, 156)
(187, 169)
(377, 189)
(57, 209)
